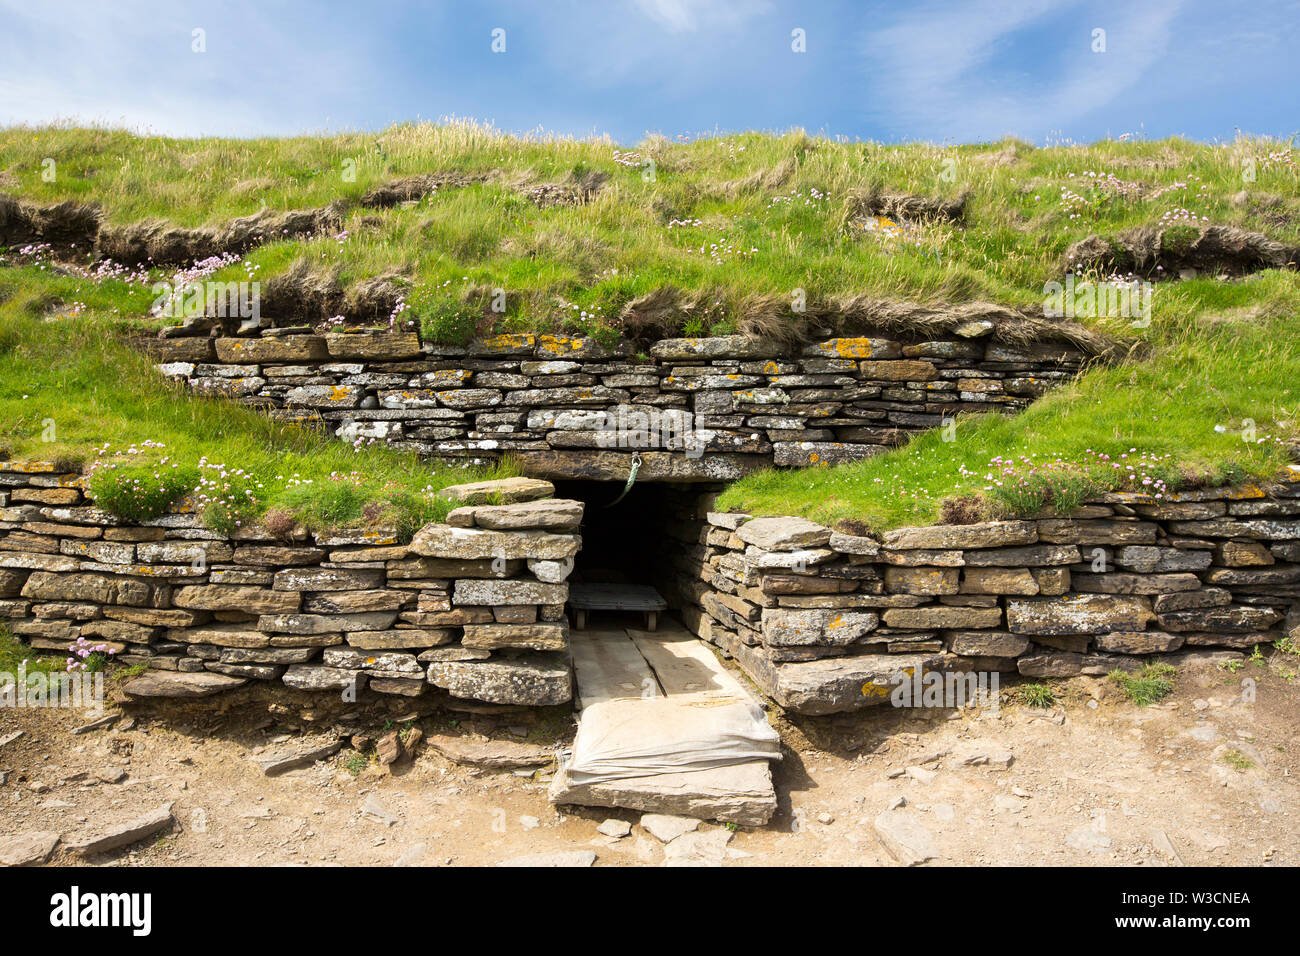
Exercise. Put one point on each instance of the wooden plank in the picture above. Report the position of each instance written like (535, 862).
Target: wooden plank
(684, 665)
(609, 666)
(615, 597)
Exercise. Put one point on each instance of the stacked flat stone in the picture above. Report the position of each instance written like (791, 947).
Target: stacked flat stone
(474, 607)
(741, 404)
(825, 621)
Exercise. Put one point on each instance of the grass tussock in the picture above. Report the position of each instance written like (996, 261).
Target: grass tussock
(1154, 682)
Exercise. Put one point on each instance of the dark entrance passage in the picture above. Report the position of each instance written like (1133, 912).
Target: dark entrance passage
(621, 542)
(622, 574)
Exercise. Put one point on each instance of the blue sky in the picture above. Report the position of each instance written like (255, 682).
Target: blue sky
(939, 71)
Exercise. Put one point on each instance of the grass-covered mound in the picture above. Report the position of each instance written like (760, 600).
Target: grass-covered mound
(773, 235)
(1214, 399)
(73, 390)
(702, 237)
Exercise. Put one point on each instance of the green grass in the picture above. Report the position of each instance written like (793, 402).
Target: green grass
(1183, 411)
(784, 234)
(1216, 366)
(71, 385)
(1238, 761)
(14, 652)
(1152, 683)
(1036, 695)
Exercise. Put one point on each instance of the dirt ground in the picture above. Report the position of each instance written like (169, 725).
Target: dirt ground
(1202, 777)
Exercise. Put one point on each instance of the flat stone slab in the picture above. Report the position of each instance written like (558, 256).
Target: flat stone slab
(282, 761)
(28, 849)
(494, 754)
(124, 834)
(835, 684)
(533, 680)
(741, 793)
(784, 534)
(501, 491)
(665, 828)
(905, 837)
(181, 684)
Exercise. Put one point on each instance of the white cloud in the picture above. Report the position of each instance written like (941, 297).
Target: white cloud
(943, 72)
(681, 16)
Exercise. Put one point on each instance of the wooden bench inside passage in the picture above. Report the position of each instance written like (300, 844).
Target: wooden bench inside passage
(638, 598)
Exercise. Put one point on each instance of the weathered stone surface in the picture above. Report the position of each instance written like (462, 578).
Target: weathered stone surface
(399, 638)
(1138, 642)
(326, 623)
(500, 491)
(391, 664)
(784, 627)
(1251, 577)
(286, 348)
(809, 454)
(1034, 556)
(854, 544)
(859, 347)
(552, 514)
(537, 637)
(121, 835)
(385, 346)
(94, 588)
(713, 347)
(1050, 664)
(28, 849)
(1147, 559)
(493, 593)
(1181, 601)
(532, 680)
(739, 793)
(348, 602)
(177, 684)
(905, 837)
(783, 534)
(1078, 614)
(898, 370)
(990, 534)
(327, 579)
(550, 572)
(1117, 582)
(1234, 618)
(442, 541)
(315, 677)
(221, 635)
(1017, 581)
(477, 751)
(251, 600)
(301, 754)
(987, 644)
(665, 828)
(267, 655)
(943, 617)
(922, 580)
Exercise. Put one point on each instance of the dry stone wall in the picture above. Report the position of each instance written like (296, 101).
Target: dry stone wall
(826, 622)
(473, 607)
(708, 409)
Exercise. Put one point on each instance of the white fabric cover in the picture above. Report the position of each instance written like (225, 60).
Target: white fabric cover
(639, 737)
